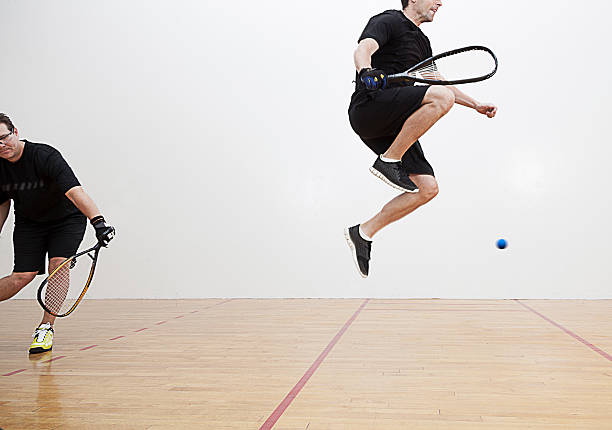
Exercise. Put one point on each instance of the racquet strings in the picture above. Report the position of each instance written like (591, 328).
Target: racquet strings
(65, 286)
(463, 65)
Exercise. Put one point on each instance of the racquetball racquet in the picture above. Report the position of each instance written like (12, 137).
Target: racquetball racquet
(64, 288)
(459, 66)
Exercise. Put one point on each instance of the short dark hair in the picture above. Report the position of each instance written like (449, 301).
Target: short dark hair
(405, 3)
(4, 119)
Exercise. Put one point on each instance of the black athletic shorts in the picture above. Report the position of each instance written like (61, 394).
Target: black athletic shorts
(378, 116)
(32, 241)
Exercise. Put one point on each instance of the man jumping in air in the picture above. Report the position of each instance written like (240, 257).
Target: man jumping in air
(391, 118)
(50, 215)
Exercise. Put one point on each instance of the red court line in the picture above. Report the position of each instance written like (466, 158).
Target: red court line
(440, 302)
(54, 358)
(161, 322)
(217, 304)
(442, 310)
(87, 347)
(601, 352)
(180, 316)
(282, 407)
(14, 372)
(115, 338)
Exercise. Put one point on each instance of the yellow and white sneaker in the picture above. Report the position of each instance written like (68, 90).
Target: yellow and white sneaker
(43, 339)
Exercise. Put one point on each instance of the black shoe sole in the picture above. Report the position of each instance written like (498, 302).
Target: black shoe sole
(39, 350)
(388, 182)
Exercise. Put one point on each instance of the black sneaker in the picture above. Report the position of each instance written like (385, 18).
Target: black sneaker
(360, 248)
(393, 174)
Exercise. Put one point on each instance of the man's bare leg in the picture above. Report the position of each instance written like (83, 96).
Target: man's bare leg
(436, 103)
(12, 284)
(53, 264)
(402, 205)
(43, 335)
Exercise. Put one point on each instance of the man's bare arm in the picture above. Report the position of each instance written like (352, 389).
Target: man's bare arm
(83, 202)
(363, 53)
(463, 99)
(4, 211)
(104, 232)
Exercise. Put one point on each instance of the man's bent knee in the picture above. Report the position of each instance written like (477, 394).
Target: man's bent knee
(21, 279)
(54, 263)
(441, 97)
(428, 187)
(428, 192)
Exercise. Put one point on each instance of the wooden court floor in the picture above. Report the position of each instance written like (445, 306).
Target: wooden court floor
(311, 365)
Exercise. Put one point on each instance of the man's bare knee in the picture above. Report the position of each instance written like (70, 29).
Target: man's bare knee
(428, 187)
(440, 97)
(55, 262)
(428, 192)
(21, 279)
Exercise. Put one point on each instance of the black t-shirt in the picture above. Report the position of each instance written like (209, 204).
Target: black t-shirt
(401, 43)
(37, 183)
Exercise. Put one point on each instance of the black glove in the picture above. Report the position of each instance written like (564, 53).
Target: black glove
(373, 79)
(104, 232)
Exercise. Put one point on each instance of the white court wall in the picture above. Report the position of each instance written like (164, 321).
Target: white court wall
(215, 136)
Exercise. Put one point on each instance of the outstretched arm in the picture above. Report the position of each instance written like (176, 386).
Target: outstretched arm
(83, 202)
(463, 99)
(4, 211)
(104, 232)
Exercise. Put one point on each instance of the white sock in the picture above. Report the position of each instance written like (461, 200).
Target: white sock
(364, 236)
(388, 160)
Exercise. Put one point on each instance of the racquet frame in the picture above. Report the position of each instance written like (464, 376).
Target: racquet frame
(70, 260)
(405, 76)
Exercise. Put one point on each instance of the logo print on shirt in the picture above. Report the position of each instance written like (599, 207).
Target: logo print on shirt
(22, 186)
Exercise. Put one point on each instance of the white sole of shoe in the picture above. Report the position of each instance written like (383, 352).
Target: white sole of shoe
(351, 245)
(388, 182)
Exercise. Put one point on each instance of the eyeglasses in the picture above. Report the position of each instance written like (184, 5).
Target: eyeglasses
(2, 138)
